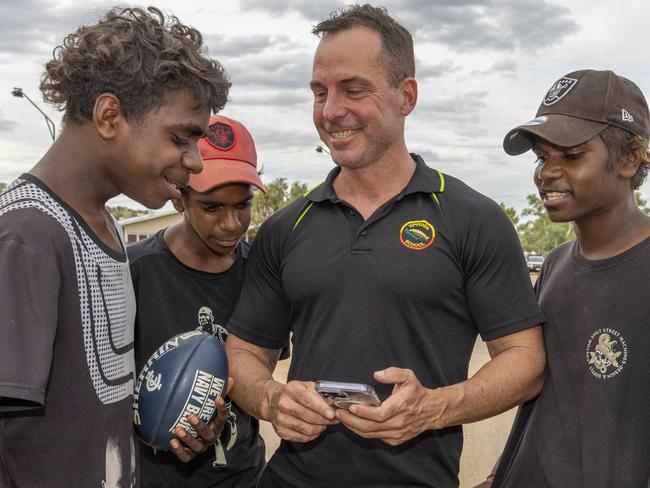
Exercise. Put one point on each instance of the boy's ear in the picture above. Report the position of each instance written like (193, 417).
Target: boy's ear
(630, 163)
(178, 204)
(107, 115)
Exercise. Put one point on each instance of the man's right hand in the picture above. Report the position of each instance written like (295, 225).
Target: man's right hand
(298, 413)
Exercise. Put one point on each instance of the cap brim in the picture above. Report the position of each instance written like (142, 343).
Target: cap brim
(226, 172)
(560, 130)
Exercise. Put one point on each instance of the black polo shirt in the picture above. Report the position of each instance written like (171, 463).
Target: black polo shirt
(409, 287)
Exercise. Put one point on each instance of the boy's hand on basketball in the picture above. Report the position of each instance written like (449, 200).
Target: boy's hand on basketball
(187, 446)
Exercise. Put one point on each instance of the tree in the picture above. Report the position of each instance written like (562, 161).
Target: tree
(121, 212)
(278, 194)
(641, 202)
(511, 213)
(2, 186)
(539, 235)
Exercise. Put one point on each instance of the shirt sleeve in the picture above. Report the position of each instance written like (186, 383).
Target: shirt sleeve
(29, 292)
(497, 283)
(260, 316)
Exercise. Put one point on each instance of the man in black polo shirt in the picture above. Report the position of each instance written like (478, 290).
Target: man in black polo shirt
(384, 274)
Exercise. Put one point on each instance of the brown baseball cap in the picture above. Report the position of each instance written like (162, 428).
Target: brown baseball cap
(578, 107)
(228, 154)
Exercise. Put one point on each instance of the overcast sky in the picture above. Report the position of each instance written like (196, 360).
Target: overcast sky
(482, 68)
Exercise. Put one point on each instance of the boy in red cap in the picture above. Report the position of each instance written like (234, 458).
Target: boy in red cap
(189, 276)
(137, 90)
(590, 424)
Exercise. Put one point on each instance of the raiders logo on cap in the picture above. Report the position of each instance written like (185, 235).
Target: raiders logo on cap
(559, 89)
(221, 136)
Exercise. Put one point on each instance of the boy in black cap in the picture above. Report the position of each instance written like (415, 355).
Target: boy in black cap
(137, 91)
(590, 424)
(188, 277)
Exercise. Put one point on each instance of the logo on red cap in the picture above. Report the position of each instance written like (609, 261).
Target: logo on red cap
(221, 136)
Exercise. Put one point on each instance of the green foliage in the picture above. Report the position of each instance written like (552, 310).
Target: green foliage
(120, 212)
(2, 186)
(641, 202)
(538, 235)
(511, 213)
(278, 194)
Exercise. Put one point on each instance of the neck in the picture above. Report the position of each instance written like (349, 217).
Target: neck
(73, 167)
(609, 234)
(193, 252)
(370, 187)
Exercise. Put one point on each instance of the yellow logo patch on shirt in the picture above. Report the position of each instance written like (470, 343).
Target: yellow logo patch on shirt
(417, 234)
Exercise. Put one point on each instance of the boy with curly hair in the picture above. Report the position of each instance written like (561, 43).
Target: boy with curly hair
(137, 90)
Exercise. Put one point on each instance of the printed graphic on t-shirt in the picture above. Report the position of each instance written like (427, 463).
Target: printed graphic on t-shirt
(606, 353)
(120, 465)
(207, 324)
(417, 234)
(106, 299)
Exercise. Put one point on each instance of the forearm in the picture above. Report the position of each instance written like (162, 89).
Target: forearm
(252, 371)
(508, 379)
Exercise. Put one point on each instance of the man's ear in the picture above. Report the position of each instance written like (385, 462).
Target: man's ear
(107, 115)
(409, 90)
(178, 205)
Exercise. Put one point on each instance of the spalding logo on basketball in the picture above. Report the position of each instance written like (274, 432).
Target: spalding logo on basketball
(184, 376)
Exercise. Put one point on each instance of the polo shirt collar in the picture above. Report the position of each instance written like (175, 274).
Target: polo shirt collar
(424, 180)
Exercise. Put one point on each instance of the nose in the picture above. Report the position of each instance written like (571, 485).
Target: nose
(230, 221)
(192, 161)
(333, 107)
(547, 170)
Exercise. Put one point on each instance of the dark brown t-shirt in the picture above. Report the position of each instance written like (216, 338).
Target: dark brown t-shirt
(66, 348)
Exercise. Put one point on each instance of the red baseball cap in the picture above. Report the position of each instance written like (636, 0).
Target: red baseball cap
(228, 154)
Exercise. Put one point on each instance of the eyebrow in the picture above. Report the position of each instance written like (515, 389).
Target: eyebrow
(346, 81)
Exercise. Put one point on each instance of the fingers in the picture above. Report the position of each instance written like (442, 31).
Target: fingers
(394, 375)
(186, 446)
(300, 414)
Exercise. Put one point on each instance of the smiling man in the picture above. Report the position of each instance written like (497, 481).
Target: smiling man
(383, 274)
(137, 92)
(591, 423)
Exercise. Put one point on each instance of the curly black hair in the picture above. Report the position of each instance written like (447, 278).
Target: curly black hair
(137, 55)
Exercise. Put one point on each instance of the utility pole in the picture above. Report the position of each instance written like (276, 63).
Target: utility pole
(18, 92)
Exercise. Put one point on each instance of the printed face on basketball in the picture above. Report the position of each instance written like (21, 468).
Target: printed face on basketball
(357, 113)
(161, 150)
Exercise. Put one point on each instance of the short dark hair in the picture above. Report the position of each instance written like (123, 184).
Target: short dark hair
(397, 42)
(620, 142)
(138, 56)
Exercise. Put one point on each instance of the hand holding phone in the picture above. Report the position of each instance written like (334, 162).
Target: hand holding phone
(343, 395)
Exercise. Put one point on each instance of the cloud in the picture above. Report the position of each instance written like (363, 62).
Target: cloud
(461, 25)
(438, 70)
(35, 25)
(237, 46)
(309, 9)
(7, 124)
(282, 98)
(464, 105)
(272, 70)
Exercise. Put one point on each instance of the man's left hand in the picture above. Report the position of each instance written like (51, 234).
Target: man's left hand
(406, 413)
(186, 446)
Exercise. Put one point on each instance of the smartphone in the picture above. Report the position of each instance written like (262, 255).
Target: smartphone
(343, 395)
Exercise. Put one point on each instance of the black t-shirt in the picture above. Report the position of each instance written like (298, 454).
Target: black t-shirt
(590, 425)
(409, 287)
(173, 298)
(66, 348)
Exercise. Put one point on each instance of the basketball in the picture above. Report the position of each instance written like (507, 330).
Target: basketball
(184, 376)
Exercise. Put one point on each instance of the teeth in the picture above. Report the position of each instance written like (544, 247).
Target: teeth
(555, 195)
(342, 133)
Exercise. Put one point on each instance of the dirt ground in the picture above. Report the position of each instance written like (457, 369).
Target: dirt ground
(484, 440)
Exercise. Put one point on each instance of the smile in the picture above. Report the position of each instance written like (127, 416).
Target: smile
(553, 196)
(342, 134)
